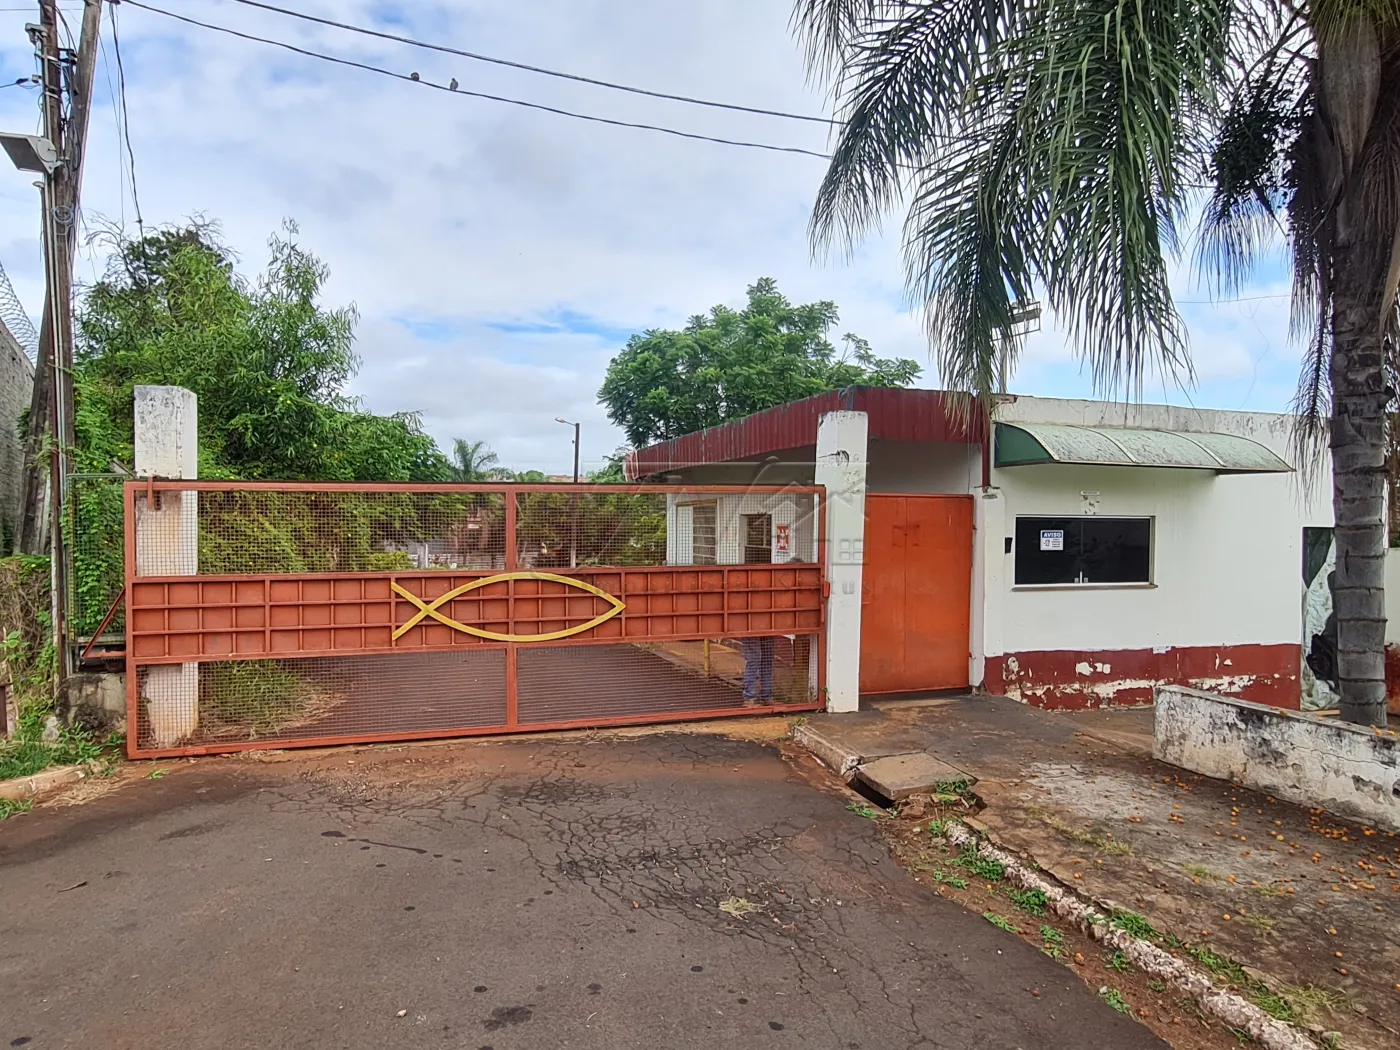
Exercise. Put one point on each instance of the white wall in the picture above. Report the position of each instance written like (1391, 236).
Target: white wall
(1227, 558)
(787, 508)
(913, 467)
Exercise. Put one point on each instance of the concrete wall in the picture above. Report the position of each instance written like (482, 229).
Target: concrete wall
(1223, 610)
(16, 384)
(912, 467)
(1345, 769)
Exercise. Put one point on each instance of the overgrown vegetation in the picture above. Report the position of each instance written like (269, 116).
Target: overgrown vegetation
(982, 867)
(27, 668)
(1032, 902)
(1001, 922)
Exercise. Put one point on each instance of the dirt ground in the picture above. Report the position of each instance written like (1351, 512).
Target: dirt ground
(663, 889)
(1305, 902)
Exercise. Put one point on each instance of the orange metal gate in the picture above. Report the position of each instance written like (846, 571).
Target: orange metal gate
(291, 614)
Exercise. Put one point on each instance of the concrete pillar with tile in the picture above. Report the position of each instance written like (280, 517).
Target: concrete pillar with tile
(841, 467)
(167, 542)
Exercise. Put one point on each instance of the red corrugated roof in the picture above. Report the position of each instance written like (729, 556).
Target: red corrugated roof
(896, 414)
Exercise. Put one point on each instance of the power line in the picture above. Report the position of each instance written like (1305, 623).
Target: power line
(126, 122)
(535, 69)
(415, 79)
(1219, 302)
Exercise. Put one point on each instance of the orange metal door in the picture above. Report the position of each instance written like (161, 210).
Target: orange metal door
(916, 593)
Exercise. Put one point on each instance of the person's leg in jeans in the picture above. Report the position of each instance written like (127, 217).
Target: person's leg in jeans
(753, 657)
(765, 667)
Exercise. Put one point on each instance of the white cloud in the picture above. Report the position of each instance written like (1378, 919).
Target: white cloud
(520, 246)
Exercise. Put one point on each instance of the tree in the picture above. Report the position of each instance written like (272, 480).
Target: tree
(1054, 148)
(730, 363)
(268, 364)
(473, 461)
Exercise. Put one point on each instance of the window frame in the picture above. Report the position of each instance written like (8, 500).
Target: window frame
(713, 507)
(1146, 584)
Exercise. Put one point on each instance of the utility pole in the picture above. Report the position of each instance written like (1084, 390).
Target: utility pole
(51, 407)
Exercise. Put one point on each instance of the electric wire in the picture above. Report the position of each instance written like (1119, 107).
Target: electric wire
(415, 79)
(126, 123)
(348, 27)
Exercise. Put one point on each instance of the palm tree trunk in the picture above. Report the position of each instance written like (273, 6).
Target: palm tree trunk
(1358, 496)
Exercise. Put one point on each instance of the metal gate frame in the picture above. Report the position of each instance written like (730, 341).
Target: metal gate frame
(184, 619)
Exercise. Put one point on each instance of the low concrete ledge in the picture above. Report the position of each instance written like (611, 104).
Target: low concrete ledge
(1349, 770)
(21, 788)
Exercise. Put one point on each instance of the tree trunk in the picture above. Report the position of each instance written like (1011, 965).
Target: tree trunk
(1358, 494)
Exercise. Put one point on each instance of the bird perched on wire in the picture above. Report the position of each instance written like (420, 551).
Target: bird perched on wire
(413, 76)
(452, 84)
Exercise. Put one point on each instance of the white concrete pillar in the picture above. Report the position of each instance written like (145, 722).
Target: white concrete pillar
(989, 568)
(167, 542)
(841, 464)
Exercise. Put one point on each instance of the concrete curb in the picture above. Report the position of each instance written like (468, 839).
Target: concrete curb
(42, 783)
(836, 757)
(1222, 1005)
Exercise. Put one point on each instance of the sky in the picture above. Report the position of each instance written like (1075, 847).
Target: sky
(499, 256)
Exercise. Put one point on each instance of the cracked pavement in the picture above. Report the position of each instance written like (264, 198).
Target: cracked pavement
(538, 893)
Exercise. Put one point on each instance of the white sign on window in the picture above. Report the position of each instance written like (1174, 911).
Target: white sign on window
(1052, 539)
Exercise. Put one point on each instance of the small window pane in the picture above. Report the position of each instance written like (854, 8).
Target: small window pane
(702, 534)
(1116, 550)
(1047, 550)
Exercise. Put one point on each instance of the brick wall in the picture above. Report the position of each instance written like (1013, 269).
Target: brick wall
(16, 383)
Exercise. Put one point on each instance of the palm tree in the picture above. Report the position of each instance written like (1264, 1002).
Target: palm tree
(473, 461)
(1058, 148)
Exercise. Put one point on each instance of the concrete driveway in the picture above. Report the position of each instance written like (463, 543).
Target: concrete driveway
(531, 894)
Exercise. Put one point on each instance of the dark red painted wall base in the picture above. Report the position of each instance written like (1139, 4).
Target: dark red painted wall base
(1392, 678)
(1075, 681)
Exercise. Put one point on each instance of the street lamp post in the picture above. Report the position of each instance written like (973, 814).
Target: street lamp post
(573, 525)
(561, 419)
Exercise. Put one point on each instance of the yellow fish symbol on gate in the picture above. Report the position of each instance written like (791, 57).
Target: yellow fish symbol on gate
(434, 608)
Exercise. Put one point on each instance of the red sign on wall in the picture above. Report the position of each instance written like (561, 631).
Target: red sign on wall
(782, 541)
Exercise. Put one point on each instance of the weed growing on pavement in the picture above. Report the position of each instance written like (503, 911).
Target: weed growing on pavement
(1200, 871)
(1105, 843)
(1269, 890)
(10, 806)
(1276, 1006)
(868, 812)
(982, 867)
(1132, 923)
(1001, 922)
(738, 906)
(1259, 922)
(1114, 998)
(1310, 1004)
(1032, 902)
(1118, 961)
(948, 792)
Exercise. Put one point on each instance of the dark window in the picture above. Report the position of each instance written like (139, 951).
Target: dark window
(1083, 550)
(758, 539)
(702, 536)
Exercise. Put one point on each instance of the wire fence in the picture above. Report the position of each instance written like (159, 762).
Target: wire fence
(270, 614)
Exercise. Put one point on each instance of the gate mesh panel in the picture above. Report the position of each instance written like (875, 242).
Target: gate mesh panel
(284, 613)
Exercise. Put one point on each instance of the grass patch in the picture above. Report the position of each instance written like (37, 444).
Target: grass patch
(861, 810)
(1240, 1034)
(1259, 922)
(1001, 922)
(1273, 1004)
(1200, 871)
(1052, 942)
(938, 828)
(950, 880)
(1104, 843)
(257, 698)
(1187, 1005)
(982, 867)
(1119, 962)
(1133, 923)
(1032, 902)
(738, 906)
(1114, 998)
(1156, 986)
(948, 792)
(10, 806)
(1311, 1004)
(1221, 967)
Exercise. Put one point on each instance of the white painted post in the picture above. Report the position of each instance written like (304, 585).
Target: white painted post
(841, 464)
(167, 541)
(989, 563)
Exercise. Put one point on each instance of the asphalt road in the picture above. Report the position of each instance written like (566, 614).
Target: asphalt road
(538, 894)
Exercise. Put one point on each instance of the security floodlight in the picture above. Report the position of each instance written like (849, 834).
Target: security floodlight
(30, 152)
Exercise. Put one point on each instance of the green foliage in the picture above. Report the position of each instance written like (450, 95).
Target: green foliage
(1133, 923)
(950, 880)
(730, 363)
(1001, 922)
(473, 461)
(269, 366)
(1032, 902)
(982, 867)
(868, 812)
(1053, 942)
(10, 806)
(1114, 998)
(1119, 961)
(255, 697)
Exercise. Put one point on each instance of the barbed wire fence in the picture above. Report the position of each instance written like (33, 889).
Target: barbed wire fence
(15, 319)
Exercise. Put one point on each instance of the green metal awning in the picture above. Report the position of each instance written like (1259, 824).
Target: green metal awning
(1020, 444)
